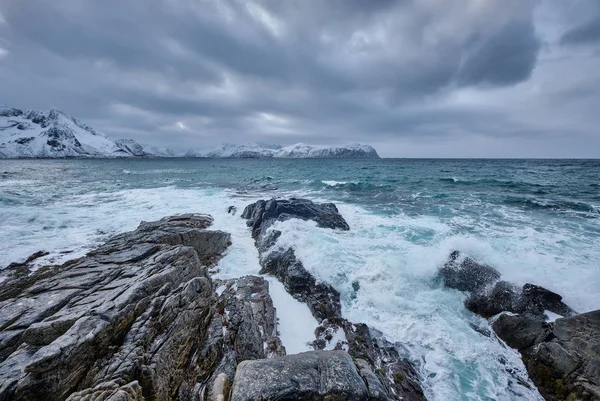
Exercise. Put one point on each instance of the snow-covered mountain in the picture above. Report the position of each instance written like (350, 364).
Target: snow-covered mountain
(52, 133)
(300, 150)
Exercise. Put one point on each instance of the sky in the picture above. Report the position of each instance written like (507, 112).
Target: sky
(413, 78)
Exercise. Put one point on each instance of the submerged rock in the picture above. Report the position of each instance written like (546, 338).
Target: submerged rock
(466, 274)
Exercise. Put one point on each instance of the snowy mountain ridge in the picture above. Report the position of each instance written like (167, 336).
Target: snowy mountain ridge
(53, 133)
(299, 150)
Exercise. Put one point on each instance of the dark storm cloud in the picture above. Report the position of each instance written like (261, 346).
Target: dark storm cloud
(588, 32)
(194, 73)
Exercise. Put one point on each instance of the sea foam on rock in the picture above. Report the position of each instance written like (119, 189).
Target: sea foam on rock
(562, 357)
(378, 361)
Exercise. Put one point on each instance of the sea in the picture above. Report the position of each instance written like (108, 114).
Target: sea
(535, 221)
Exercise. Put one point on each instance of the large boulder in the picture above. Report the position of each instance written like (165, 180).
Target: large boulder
(506, 297)
(262, 213)
(465, 274)
(320, 375)
(126, 321)
(562, 358)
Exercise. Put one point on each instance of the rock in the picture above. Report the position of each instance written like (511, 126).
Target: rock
(396, 375)
(536, 299)
(232, 210)
(27, 262)
(318, 375)
(220, 388)
(110, 391)
(562, 358)
(243, 327)
(506, 297)
(467, 275)
(125, 322)
(520, 331)
(262, 213)
(322, 299)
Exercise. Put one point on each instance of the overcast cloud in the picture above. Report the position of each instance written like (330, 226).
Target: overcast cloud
(414, 78)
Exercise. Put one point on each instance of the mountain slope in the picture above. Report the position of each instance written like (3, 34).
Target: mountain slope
(35, 133)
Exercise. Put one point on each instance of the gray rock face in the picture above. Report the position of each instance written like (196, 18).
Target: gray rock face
(124, 322)
(322, 299)
(562, 358)
(321, 375)
(243, 327)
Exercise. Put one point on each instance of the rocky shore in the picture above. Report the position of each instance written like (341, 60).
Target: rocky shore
(562, 356)
(142, 318)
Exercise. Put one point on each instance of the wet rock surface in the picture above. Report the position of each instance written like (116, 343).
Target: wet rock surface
(561, 357)
(396, 377)
(262, 213)
(391, 376)
(319, 375)
(127, 321)
(488, 295)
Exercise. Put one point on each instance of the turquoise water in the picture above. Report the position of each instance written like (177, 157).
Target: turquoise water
(534, 220)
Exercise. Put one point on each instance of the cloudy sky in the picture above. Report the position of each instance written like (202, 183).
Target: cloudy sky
(414, 78)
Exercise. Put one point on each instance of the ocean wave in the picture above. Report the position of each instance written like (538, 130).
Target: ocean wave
(356, 185)
(156, 171)
(547, 205)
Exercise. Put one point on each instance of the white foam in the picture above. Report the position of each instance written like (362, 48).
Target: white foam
(296, 324)
(394, 260)
(551, 316)
(337, 337)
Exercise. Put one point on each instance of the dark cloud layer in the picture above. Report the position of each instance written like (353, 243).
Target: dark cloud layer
(414, 78)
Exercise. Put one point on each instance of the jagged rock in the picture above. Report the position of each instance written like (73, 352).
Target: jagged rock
(316, 375)
(232, 210)
(110, 391)
(395, 376)
(562, 358)
(243, 327)
(127, 318)
(521, 331)
(506, 297)
(466, 274)
(322, 299)
(262, 213)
